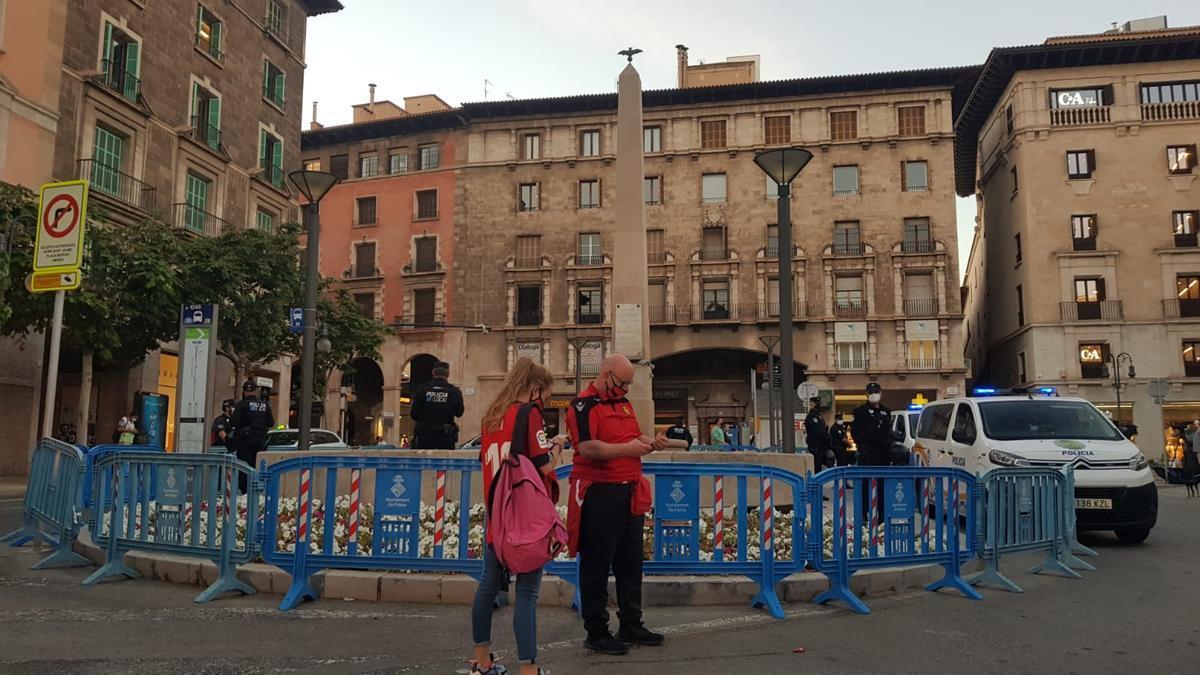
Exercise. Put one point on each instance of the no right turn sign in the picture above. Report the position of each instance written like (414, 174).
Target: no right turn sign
(62, 215)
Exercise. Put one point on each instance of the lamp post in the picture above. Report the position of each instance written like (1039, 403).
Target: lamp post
(782, 166)
(769, 341)
(1113, 366)
(314, 185)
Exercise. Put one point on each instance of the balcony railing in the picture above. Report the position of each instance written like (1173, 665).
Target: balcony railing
(589, 259)
(771, 251)
(363, 272)
(422, 265)
(854, 309)
(656, 257)
(921, 307)
(120, 80)
(1176, 308)
(1083, 244)
(273, 175)
(588, 318)
(1191, 368)
(528, 317)
(918, 246)
(203, 132)
(715, 311)
(1071, 117)
(210, 47)
(714, 253)
(195, 219)
(848, 249)
(422, 320)
(661, 314)
(1185, 240)
(1105, 310)
(850, 363)
(527, 262)
(922, 363)
(109, 181)
(1176, 110)
(771, 310)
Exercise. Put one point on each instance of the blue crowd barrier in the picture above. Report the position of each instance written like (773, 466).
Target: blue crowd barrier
(51, 511)
(396, 517)
(899, 516)
(739, 493)
(95, 452)
(192, 511)
(1021, 509)
(1071, 545)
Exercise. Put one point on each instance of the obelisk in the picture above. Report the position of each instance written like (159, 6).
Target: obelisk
(631, 295)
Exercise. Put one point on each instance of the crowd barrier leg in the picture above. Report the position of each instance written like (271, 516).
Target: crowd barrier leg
(1072, 545)
(64, 556)
(991, 575)
(953, 578)
(839, 579)
(766, 596)
(1054, 562)
(114, 560)
(301, 588)
(227, 581)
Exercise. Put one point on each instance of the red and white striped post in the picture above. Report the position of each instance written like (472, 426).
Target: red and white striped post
(768, 516)
(439, 515)
(302, 511)
(873, 511)
(719, 518)
(352, 539)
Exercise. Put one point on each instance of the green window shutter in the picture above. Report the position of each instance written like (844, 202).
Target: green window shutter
(214, 122)
(217, 46)
(132, 50)
(199, 20)
(195, 103)
(262, 149)
(277, 163)
(108, 42)
(266, 78)
(279, 88)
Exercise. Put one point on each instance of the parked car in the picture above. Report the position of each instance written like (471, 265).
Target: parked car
(288, 439)
(472, 444)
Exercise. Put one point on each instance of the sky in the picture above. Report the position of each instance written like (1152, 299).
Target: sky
(541, 48)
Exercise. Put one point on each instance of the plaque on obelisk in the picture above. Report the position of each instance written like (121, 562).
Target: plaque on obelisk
(631, 318)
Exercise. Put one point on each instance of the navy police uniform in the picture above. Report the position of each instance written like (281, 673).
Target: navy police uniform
(837, 440)
(817, 436)
(434, 408)
(251, 421)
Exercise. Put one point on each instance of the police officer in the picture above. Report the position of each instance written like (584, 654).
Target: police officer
(872, 429)
(816, 433)
(680, 432)
(251, 421)
(219, 438)
(837, 440)
(434, 408)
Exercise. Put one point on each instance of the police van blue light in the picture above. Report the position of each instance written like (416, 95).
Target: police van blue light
(984, 391)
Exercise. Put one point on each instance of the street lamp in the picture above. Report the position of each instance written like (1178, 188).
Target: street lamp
(1112, 369)
(314, 185)
(782, 166)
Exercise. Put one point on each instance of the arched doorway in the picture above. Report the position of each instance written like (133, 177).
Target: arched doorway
(418, 371)
(364, 382)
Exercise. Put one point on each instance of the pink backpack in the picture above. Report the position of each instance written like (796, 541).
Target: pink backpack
(525, 528)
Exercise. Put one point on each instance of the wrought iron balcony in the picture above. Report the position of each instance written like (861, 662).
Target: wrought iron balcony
(421, 320)
(108, 180)
(918, 246)
(1181, 308)
(582, 317)
(715, 311)
(527, 262)
(194, 219)
(850, 309)
(855, 248)
(922, 363)
(661, 314)
(528, 317)
(770, 310)
(589, 259)
(921, 307)
(714, 253)
(656, 257)
(120, 80)
(1105, 310)
(853, 364)
(1083, 244)
(203, 132)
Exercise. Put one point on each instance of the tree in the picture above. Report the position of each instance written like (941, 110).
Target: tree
(351, 334)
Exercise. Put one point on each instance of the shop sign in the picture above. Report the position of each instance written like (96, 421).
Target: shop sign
(1077, 98)
(850, 331)
(1091, 354)
(530, 350)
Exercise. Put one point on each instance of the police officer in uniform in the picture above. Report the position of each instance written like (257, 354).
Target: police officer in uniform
(222, 426)
(817, 434)
(251, 421)
(837, 440)
(872, 429)
(434, 408)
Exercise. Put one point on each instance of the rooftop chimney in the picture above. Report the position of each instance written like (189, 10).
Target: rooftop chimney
(681, 58)
(315, 125)
(371, 102)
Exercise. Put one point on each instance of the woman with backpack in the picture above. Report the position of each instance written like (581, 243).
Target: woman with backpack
(513, 424)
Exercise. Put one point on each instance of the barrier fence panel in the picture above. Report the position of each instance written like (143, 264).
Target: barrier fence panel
(420, 517)
(95, 452)
(742, 533)
(891, 517)
(182, 504)
(52, 508)
(1072, 545)
(1021, 509)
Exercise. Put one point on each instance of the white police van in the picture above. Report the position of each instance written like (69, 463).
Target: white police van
(1114, 488)
(904, 428)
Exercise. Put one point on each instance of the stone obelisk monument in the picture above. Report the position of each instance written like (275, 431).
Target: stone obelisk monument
(631, 318)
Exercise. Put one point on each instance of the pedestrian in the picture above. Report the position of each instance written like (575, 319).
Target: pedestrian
(518, 406)
(251, 421)
(837, 441)
(872, 431)
(607, 508)
(680, 432)
(817, 435)
(1191, 461)
(435, 406)
(127, 429)
(219, 438)
(404, 441)
(717, 435)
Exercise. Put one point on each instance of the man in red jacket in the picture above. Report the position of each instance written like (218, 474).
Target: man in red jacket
(607, 507)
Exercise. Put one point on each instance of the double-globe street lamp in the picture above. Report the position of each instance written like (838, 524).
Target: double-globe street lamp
(314, 185)
(1112, 368)
(782, 166)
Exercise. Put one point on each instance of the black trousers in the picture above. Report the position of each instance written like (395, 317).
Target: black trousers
(432, 440)
(610, 537)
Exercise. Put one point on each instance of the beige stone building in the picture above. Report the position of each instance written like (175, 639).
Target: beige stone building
(1082, 155)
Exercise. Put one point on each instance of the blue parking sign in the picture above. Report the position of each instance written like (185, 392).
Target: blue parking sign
(296, 320)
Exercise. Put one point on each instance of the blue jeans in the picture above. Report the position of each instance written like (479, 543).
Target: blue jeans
(524, 614)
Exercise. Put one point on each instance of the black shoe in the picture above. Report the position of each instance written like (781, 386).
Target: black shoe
(640, 635)
(606, 644)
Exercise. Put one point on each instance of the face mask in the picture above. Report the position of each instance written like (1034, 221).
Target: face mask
(873, 398)
(538, 399)
(616, 389)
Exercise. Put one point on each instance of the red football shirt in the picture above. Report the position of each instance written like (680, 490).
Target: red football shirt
(495, 444)
(612, 421)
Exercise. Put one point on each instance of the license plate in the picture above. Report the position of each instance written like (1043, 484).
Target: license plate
(1084, 503)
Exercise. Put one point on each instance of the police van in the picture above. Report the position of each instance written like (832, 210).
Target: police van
(1114, 487)
(904, 429)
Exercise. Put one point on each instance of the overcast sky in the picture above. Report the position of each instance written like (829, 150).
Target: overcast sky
(537, 48)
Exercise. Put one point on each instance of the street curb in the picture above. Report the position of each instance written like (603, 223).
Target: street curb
(459, 589)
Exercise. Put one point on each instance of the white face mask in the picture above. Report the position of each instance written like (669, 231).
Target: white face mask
(873, 398)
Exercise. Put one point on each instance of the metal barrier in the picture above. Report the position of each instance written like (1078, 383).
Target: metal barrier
(52, 503)
(1071, 545)
(192, 511)
(744, 523)
(702, 447)
(898, 518)
(1021, 509)
(93, 453)
(394, 539)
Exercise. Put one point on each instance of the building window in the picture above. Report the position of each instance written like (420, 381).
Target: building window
(652, 189)
(589, 194)
(1083, 232)
(851, 355)
(1022, 373)
(848, 298)
(655, 251)
(917, 236)
(1017, 245)
(914, 176)
(195, 210)
(531, 146)
(107, 161)
(368, 165)
(712, 187)
(529, 305)
(426, 254)
(364, 259)
(1080, 163)
(1008, 119)
(1080, 98)
(772, 242)
(276, 19)
(366, 304)
(365, 207)
(919, 297)
(1185, 223)
(427, 204)
(1191, 358)
(265, 220)
(1171, 92)
(1181, 159)
(428, 157)
(1092, 356)
(339, 165)
(425, 307)
(589, 143)
(530, 197)
(1187, 292)
(773, 297)
(843, 125)
(529, 250)
(847, 238)
(911, 120)
(206, 116)
(274, 87)
(312, 165)
(712, 244)
(121, 62)
(1013, 172)
(588, 252)
(270, 157)
(845, 180)
(712, 134)
(922, 355)
(652, 139)
(715, 300)
(772, 188)
(591, 304)
(777, 130)
(397, 161)
(1089, 291)
(209, 31)
(1020, 306)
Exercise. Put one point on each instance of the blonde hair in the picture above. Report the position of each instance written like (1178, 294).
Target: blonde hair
(524, 376)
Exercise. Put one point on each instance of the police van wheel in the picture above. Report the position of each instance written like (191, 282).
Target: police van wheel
(1133, 536)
